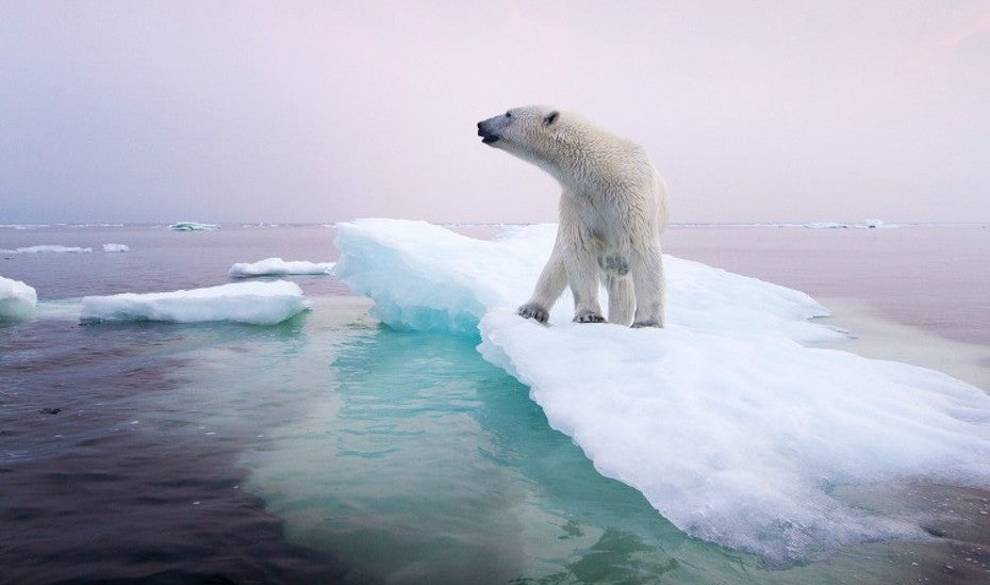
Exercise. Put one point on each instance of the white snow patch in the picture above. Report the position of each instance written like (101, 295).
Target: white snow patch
(192, 226)
(116, 248)
(45, 249)
(732, 429)
(279, 267)
(17, 300)
(256, 303)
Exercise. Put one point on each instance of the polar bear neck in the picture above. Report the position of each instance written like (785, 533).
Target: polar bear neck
(586, 159)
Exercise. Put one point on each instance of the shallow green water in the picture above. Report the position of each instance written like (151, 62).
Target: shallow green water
(413, 460)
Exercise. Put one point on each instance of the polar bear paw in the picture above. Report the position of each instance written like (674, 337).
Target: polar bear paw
(533, 311)
(650, 323)
(587, 316)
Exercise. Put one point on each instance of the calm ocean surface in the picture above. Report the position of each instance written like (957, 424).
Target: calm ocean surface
(329, 449)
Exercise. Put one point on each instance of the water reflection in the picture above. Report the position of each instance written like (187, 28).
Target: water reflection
(427, 463)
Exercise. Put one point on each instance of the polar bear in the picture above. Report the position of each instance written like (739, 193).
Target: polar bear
(612, 211)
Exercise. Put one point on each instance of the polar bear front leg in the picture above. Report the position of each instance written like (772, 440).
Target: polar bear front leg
(551, 284)
(648, 282)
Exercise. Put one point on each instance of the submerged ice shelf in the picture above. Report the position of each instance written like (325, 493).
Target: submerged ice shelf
(279, 267)
(255, 303)
(17, 300)
(730, 426)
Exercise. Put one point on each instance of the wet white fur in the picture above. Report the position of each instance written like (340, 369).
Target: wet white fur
(612, 210)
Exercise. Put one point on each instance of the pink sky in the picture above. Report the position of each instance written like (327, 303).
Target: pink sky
(323, 111)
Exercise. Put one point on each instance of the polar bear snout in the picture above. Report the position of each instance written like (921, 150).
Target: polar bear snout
(488, 136)
(490, 129)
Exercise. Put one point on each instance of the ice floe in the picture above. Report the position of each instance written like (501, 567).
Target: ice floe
(192, 226)
(279, 267)
(731, 425)
(256, 303)
(17, 300)
(48, 249)
(116, 248)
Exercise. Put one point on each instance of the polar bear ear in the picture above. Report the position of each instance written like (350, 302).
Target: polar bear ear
(550, 118)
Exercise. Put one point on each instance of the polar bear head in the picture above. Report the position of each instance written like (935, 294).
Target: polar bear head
(533, 133)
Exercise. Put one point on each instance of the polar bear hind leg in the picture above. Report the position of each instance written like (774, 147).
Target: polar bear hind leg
(581, 267)
(621, 300)
(648, 283)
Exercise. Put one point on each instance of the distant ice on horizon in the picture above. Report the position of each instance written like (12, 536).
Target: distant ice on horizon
(192, 226)
(815, 225)
(48, 249)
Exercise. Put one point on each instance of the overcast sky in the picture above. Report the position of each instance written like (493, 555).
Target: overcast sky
(323, 111)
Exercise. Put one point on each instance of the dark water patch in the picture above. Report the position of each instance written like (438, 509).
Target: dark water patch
(92, 492)
(102, 515)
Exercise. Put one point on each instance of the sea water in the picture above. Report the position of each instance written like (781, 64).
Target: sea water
(332, 449)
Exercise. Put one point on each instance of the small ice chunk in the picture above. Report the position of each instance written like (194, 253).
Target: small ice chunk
(17, 300)
(116, 248)
(192, 226)
(48, 248)
(256, 303)
(279, 267)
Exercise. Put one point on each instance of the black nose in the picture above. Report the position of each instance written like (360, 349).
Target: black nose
(479, 125)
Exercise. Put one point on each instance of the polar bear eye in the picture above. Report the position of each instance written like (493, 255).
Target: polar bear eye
(508, 114)
(551, 118)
